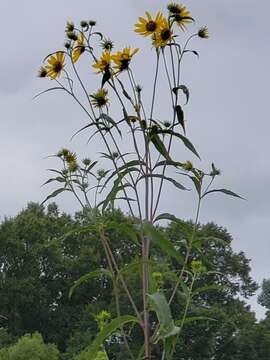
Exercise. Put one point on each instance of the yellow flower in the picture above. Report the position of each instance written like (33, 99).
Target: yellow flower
(164, 36)
(55, 65)
(180, 14)
(79, 48)
(122, 58)
(149, 25)
(70, 157)
(104, 63)
(100, 99)
(203, 32)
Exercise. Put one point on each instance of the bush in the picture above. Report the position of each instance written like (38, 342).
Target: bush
(30, 347)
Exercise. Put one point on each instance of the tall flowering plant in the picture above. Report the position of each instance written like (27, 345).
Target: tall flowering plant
(137, 176)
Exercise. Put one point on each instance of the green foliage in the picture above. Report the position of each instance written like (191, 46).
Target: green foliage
(38, 262)
(264, 297)
(30, 347)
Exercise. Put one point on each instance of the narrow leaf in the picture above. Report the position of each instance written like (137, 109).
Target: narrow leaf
(174, 182)
(163, 311)
(180, 117)
(87, 277)
(185, 140)
(53, 194)
(106, 332)
(224, 191)
(160, 146)
(159, 239)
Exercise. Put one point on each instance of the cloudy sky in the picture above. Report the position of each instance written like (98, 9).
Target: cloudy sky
(227, 116)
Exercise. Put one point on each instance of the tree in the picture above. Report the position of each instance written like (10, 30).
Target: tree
(43, 252)
(30, 347)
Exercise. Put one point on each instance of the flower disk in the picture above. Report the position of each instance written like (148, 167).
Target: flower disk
(79, 48)
(149, 25)
(100, 99)
(164, 36)
(55, 65)
(104, 63)
(122, 58)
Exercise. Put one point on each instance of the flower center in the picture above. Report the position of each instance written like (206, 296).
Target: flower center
(165, 34)
(178, 17)
(151, 26)
(58, 66)
(124, 64)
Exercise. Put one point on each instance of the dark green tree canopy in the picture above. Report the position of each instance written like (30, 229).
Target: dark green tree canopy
(42, 253)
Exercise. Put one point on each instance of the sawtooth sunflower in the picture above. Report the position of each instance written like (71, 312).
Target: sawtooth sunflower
(180, 14)
(203, 32)
(103, 64)
(79, 48)
(99, 98)
(55, 65)
(163, 36)
(149, 25)
(122, 58)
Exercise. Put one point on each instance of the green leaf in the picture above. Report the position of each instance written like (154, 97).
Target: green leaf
(192, 51)
(106, 332)
(58, 179)
(83, 128)
(184, 139)
(191, 319)
(167, 216)
(110, 121)
(160, 146)
(224, 191)
(87, 277)
(127, 165)
(125, 229)
(174, 182)
(207, 288)
(47, 90)
(197, 184)
(184, 89)
(180, 116)
(162, 309)
(159, 239)
(54, 194)
(168, 163)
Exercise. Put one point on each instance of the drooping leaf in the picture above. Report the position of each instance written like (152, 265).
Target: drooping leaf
(171, 180)
(83, 128)
(156, 141)
(224, 191)
(58, 179)
(184, 89)
(48, 90)
(167, 163)
(126, 166)
(197, 184)
(106, 332)
(184, 139)
(54, 194)
(87, 277)
(191, 319)
(126, 229)
(192, 51)
(162, 309)
(180, 116)
(207, 288)
(159, 239)
(110, 121)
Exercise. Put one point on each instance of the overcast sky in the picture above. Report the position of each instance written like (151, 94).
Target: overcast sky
(227, 114)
